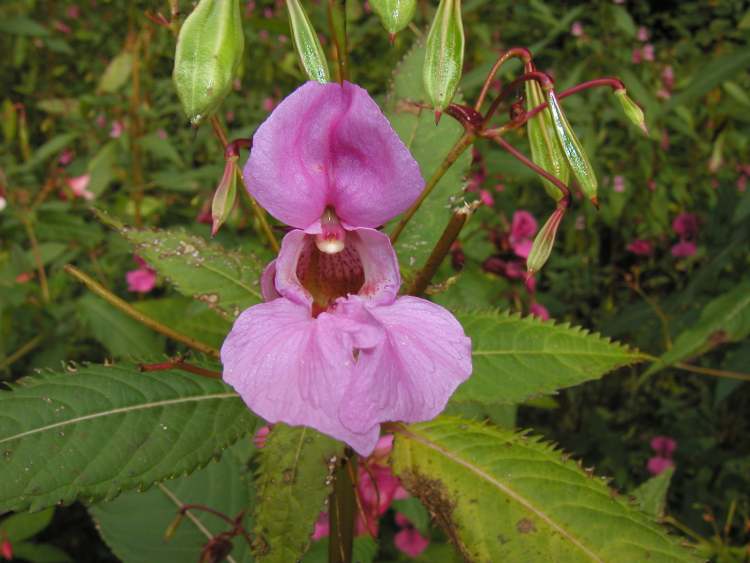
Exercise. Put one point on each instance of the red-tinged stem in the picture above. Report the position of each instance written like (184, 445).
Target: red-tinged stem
(179, 363)
(544, 80)
(538, 169)
(515, 52)
(236, 523)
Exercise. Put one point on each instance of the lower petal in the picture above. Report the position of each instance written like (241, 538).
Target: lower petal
(289, 367)
(424, 356)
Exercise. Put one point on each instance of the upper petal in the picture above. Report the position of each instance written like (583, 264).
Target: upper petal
(330, 145)
(291, 368)
(425, 355)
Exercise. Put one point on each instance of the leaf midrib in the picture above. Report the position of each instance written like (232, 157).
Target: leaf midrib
(517, 497)
(119, 410)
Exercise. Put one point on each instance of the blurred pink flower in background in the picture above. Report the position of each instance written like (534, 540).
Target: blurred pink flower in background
(408, 539)
(268, 104)
(66, 157)
(663, 447)
(486, 198)
(641, 247)
(117, 129)
(73, 12)
(685, 225)
(79, 186)
(684, 249)
(648, 52)
(539, 311)
(522, 231)
(142, 279)
(642, 34)
(6, 548)
(618, 184)
(576, 30)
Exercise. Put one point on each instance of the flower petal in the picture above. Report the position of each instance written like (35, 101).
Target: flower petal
(410, 376)
(267, 282)
(291, 368)
(330, 145)
(382, 276)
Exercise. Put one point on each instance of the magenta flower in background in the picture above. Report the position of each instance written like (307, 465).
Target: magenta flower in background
(658, 464)
(408, 539)
(522, 231)
(684, 249)
(79, 185)
(641, 247)
(618, 184)
(663, 447)
(642, 34)
(333, 347)
(539, 311)
(142, 279)
(685, 225)
(576, 29)
(117, 129)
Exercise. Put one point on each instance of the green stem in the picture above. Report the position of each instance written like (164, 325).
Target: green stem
(22, 351)
(337, 26)
(134, 313)
(443, 246)
(37, 257)
(341, 512)
(457, 150)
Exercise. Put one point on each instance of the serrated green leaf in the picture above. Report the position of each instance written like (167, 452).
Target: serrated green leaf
(517, 358)
(133, 525)
(294, 479)
(40, 553)
(651, 495)
(429, 144)
(501, 496)
(227, 281)
(98, 430)
(725, 319)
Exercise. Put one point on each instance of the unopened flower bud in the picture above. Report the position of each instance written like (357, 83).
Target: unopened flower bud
(173, 525)
(395, 14)
(632, 110)
(546, 151)
(544, 241)
(444, 56)
(309, 49)
(573, 150)
(209, 51)
(224, 196)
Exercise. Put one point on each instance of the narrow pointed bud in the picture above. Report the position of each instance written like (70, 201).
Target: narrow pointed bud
(444, 56)
(546, 151)
(224, 196)
(632, 110)
(6, 549)
(209, 51)
(332, 238)
(395, 14)
(543, 242)
(576, 156)
(309, 49)
(173, 525)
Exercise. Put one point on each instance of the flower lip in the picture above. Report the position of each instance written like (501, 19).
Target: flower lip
(329, 145)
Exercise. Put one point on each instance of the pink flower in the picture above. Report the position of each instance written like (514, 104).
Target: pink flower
(6, 549)
(618, 184)
(684, 249)
(685, 225)
(408, 540)
(66, 157)
(667, 78)
(522, 230)
(642, 34)
(641, 247)
(742, 183)
(142, 279)
(576, 30)
(648, 52)
(322, 527)
(333, 347)
(261, 435)
(636, 56)
(73, 12)
(117, 129)
(486, 198)
(659, 464)
(79, 186)
(539, 311)
(268, 104)
(663, 445)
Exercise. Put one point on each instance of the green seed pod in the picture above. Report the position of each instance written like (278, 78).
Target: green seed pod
(309, 49)
(541, 248)
(573, 150)
(224, 196)
(632, 110)
(444, 56)
(209, 51)
(395, 14)
(546, 151)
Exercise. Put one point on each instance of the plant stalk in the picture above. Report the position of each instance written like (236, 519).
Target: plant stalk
(341, 512)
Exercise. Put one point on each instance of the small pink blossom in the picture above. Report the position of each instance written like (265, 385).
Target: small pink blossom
(6, 549)
(117, 129)
(667, 78)
(79, 186)
(73, 12)
(142, 279)
(322, 527)
(684, 249)
(334, 347)
(641, 247)
(263, 35)
(648, 52)
(101, 121)
(742, 183)
(576, 29)
(268, 104)
(282, 38)
(663, 445)
(539, 311)
(618, 184)
(522, 231)
(162, 134)
(657, 464)
(636, 57)
(642, 34)
(261, 435)
(66, 157)
(515, 269)
(268, 13)
(249, 8)
(486, 198)
(408, 540)
(61, 27)
(530, 284)
(685, 225)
